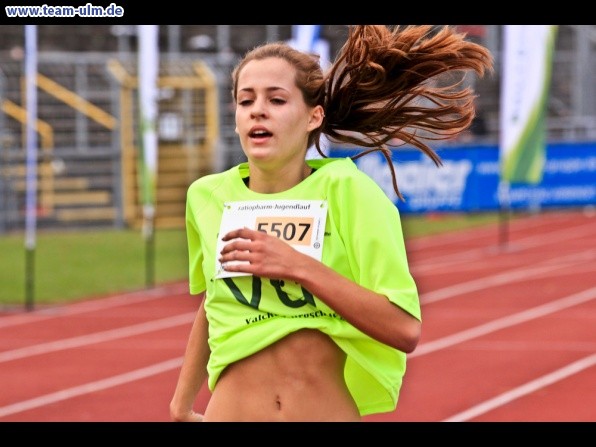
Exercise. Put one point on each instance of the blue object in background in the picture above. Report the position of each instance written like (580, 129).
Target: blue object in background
(469, 178)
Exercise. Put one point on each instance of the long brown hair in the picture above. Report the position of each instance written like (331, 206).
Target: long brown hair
(385, 87)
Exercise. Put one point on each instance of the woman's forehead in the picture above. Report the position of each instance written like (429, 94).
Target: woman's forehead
(267, 73)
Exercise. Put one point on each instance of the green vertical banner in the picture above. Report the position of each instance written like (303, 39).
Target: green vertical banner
(148, 70)
(527, 67)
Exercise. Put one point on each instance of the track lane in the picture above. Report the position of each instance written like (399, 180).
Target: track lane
(144, 389)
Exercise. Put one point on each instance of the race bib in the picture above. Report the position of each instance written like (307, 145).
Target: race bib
(300, 223)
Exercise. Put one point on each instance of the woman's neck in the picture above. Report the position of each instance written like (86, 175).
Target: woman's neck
(268, 182)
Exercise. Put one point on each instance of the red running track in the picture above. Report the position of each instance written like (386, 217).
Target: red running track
(509, 334)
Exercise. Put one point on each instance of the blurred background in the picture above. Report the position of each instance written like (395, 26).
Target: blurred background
(87, 123)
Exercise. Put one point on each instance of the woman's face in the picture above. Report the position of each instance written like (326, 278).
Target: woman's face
(272, 119)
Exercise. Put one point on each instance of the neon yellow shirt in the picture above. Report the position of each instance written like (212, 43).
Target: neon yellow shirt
(363, 242)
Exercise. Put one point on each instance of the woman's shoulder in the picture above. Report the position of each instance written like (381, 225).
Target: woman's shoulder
(331, 163)
(345, 172)
(211, 182)
(337, 168)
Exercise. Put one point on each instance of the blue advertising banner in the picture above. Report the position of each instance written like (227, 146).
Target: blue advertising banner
(469, 178)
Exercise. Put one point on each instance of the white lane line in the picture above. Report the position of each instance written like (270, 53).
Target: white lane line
(539, 240)
(482, 232)
(97, 337)
(515, 274)
(524, 390)
(508, 321)
(59, 311)
(90, 387)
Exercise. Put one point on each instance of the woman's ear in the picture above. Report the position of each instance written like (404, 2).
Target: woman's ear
(316, 118)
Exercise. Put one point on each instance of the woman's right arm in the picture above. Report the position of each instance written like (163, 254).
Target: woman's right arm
(193, 372)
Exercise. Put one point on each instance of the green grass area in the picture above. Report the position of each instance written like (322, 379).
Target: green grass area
(75, 265)
(71, 266)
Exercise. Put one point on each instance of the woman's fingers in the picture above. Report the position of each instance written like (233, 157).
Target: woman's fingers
(242, 233)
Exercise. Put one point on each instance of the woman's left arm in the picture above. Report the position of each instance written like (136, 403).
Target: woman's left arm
(372, 313)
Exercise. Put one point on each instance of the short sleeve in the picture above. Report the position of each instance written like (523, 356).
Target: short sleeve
(196, 277)
(371, 227)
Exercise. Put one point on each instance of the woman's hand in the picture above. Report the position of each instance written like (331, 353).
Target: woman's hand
(264, 255)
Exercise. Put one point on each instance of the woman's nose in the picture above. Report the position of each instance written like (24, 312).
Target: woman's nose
(258, 109)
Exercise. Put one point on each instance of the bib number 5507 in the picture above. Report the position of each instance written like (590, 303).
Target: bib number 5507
(296, 231)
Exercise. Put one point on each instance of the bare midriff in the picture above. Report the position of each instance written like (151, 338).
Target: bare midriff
(298, 378)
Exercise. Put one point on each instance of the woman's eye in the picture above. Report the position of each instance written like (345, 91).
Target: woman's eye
(245, 102)
(278, 101)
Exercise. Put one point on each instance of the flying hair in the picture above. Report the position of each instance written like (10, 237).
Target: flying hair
(388, 87)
